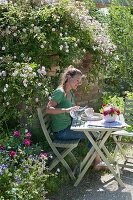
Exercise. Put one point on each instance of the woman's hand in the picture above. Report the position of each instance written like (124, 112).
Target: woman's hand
(71, 108)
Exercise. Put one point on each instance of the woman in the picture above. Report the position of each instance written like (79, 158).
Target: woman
(60, 105)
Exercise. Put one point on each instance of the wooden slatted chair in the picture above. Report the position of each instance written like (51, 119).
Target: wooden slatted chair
(66, 145)
(117, 136)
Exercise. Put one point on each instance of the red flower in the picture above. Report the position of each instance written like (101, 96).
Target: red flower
(17, 134)
(29, 135)
(118, 112)
(1, 147)
(12, 154)
(112, 110)
(104, 105)
(105, 113)
(27, 142)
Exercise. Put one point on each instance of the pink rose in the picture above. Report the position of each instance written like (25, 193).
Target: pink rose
(112, 110)
(1, 147)
(118, 112)
(104, 105)
(17, 134)
(29, 135)
(105, 113)
(12, 154)
(26, 142)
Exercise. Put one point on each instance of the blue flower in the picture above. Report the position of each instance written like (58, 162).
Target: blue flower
(7, 158)
(26, 172)
(0, 173)
(26, 165)
(22, 160)
(31, 156)
(44, 167)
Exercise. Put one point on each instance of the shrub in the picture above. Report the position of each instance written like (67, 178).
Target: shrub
(36, 38)
(23, 174)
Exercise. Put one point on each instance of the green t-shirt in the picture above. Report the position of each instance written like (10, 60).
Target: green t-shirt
(63, 120)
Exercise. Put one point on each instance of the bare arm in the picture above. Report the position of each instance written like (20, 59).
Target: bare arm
(50, 109)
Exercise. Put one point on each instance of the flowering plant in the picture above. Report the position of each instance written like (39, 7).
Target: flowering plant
(109, 110)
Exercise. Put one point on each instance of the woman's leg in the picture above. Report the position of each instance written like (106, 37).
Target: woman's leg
(68, 134)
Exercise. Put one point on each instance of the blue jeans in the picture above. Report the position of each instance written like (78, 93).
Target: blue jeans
(68, 134)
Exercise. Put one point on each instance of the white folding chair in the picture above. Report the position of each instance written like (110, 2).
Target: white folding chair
(66, 145)
(120, 137)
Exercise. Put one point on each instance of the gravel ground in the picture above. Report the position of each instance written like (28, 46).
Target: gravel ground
(99, 186)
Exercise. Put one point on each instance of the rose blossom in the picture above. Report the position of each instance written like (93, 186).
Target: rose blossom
(17, 133)
(112, 110)
(118, 112)
(29, 135)
(12, 153)
(1, 147)
(105, 113)
(27, 142)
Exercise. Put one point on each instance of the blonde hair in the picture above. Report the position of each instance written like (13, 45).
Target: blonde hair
(70, 71)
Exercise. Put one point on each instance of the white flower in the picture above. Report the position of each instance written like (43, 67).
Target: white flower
(18, 64)
(67, 50)
(6, 85)
(39, 84)
(25, 75)
(42, 46)
(58, 170)
(30, 58)
(15, 34)
(26, 130)
(30, 75)
(7, 103)
(32, 25)
(24, 29)
(53, 29)
(25, 81)
(61, 28)
(34, 73)
(3, 48)
(14, 57)
(22, 54)
(15, 73)
(75, 44)
(22, 95)
(61, 34)
(36, 99)
(65, 33)
(43, 68)
(4, 73)
(30, 69)
(84, 50)
(61, 47)
(44, 42)
(25, 85)
(66, 26)
(39, 71)
(1, 58)
(4, 90)
(116, 58)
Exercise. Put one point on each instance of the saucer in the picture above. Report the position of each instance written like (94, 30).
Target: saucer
(95, 117)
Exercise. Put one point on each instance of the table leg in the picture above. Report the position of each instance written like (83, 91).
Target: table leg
(98, 149)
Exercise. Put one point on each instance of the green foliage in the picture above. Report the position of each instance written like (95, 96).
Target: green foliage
(115, 100)
(119, 25)
(23, 172)
(34, 39)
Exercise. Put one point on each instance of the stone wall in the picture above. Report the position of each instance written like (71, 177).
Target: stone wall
(89, 93)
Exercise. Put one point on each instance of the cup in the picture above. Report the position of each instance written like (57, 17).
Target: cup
(89, 112)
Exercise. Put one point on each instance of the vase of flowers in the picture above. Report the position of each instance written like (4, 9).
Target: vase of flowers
(110, 112)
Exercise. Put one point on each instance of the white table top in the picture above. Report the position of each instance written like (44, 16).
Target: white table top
(85, 125)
